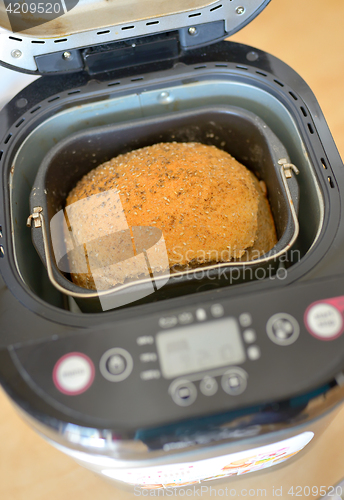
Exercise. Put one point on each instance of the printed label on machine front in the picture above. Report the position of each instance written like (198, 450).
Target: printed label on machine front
(184, 474)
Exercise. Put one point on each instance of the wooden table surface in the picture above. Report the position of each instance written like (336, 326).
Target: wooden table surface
(309, 36)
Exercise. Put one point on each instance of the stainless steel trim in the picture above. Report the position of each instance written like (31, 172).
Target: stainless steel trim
(77, 440)
(285, 170)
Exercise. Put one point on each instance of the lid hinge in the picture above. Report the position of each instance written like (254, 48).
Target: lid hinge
(133, 52)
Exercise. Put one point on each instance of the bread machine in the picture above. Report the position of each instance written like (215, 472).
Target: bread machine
(222, 379)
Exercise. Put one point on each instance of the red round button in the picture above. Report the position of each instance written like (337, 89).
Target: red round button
(74, 373)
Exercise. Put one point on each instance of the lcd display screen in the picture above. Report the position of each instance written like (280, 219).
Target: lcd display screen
(200, 347)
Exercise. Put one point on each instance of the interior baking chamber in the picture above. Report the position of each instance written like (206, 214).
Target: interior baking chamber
(240, 133)
(154, 102)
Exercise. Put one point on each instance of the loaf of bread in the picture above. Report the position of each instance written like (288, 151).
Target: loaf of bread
(266, 237)
(166, 206)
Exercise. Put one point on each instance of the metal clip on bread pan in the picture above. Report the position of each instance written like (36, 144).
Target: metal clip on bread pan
(241, 133)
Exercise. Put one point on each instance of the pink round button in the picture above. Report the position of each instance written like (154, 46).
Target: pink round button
(324, 321)
(74, 373)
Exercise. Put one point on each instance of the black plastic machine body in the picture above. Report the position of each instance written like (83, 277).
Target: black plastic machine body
(213, 367)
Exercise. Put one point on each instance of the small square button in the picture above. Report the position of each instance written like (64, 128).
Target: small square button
(245, 319)
(253, 352)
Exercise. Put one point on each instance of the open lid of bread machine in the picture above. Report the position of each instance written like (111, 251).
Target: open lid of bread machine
(99, 35)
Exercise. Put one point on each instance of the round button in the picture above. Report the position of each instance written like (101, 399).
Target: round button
(208, 386)
(324, 321)
(183, 392)
(116, 364)
(283, 329)
(73, 374)
(234, 381)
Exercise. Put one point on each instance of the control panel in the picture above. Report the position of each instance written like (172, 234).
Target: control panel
(208, 358)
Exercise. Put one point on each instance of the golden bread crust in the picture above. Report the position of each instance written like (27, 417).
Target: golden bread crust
(206, 204)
